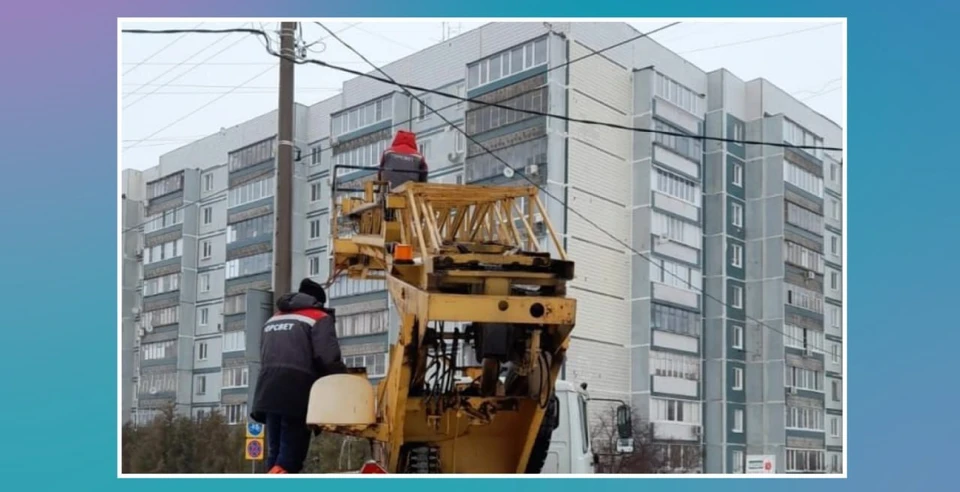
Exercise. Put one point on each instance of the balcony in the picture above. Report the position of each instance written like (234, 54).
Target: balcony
(676, 431)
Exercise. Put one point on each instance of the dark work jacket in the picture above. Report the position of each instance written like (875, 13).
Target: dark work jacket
(402, 162)
(298, 345)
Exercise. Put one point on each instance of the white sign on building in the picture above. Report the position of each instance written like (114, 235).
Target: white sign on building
(761, 463)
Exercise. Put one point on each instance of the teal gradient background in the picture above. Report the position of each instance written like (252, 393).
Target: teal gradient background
(58, 106)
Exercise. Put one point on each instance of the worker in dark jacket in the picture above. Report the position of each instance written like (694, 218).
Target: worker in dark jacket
(298, 346)
(402, 161)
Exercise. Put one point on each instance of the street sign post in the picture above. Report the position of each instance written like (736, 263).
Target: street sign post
(761, 463)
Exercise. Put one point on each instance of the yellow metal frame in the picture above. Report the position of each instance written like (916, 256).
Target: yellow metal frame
(472, 248)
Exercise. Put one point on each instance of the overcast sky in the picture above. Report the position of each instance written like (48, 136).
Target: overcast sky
(178, 88)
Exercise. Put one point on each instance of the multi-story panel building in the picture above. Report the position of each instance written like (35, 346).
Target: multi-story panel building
(710, 300)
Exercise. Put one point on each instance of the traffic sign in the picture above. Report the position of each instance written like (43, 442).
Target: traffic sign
(372, 468)
(254, 430)
(254, 449)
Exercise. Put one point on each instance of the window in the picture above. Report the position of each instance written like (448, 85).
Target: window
(793, 134)
(804, 219)
(421, 107)
(459, 142)
(234, 304)
(834, 281)
(460, 90)
(164, 186)
(157, 382)
(664, 410)
(161, 285)
(362, 116)
(256, 227)
(362, 324)
(835, 390)
(673, 365)
(482, 165)
(804, 298)
(738, 420)
(345, 287)
(207, 215)
(316, 191)
(804, 418)
(835, 353)
(161, 317)
(206, 249)
(675, 186)
(836, 464)
(507, 63)
(737, 460)
(834, 426)
(250, 155)
(163, 220)
(738, 337)
(202, 351)
(803, 257)
(675, 320)
(248, 265)
(738, 379)
(235, 414)
(161, 252)
(366, 155)
(424, 149)
(158, 350)
(687, 146)
(375, 364)
(736, 255)
(250, 192)
(208, 182)
(834, 172)
(804, 460)
(676, 229)
(487, 118)
(803, 339)
(674, 274)
(315, 154)
(803, 179)
(201, 385)
(805, 379)
(314, 266)
(738, 173)
(204, 282)
(835, 209)
(315, 229)
(234, 341)
(737, 297)
(668, 89)
(204, 316)
(235, 377)
(737, 212)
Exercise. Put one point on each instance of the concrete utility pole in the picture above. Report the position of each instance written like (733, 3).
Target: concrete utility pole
(282, 267)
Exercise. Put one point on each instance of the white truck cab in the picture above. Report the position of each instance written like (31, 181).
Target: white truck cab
(570, 451)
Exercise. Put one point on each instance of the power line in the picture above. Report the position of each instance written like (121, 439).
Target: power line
(195, 111)
(408, 87)
(547, 193)
(823, 93)
(161, 50)
(225, 36)
(747, 41)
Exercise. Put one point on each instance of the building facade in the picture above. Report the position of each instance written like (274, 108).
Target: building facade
(682, 310)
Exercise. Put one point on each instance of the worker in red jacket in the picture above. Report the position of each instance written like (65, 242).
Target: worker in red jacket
(402, 161)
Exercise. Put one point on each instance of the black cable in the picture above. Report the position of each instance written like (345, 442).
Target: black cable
(547, 193)
(408, 87)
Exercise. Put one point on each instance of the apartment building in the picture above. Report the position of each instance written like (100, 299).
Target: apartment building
(702, 221)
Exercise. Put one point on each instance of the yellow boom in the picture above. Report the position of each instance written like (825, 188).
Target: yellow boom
(464, 269)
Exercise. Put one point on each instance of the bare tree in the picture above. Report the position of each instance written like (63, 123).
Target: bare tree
(648, 455)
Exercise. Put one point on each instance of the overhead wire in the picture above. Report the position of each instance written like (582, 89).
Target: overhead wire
(762, 38)
(583, 217)
(161, 50)
(410, 87)
(407, 88)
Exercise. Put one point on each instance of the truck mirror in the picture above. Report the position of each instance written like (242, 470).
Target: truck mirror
(624, 422)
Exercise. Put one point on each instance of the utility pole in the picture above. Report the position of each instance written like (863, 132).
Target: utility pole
(282, 261)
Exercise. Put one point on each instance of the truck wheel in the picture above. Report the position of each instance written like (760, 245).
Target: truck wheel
(538, 455)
